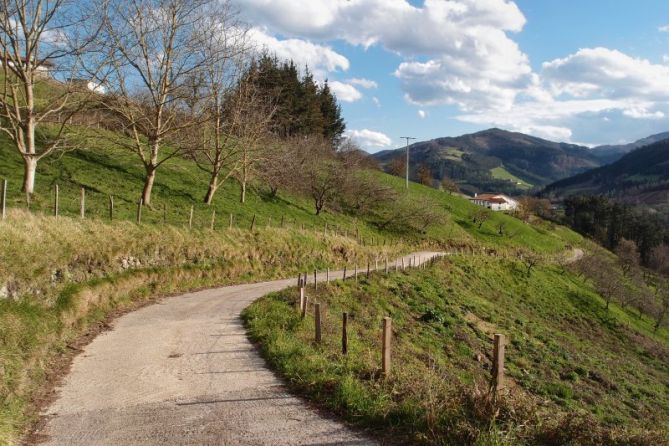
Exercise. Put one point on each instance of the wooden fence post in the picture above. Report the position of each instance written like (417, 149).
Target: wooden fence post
(355, 274)
(327, 275)
(213, 219)
(344, 277)
(386, 265)
(190, 218)
(302, 296)
(368, 269)
(282, 221)
(230, 227)
(111, 207)
(376, 264)
(55, 200)
(305, 304)
(299, 280)
(164, 213)
(3, 200)
(139, 210)
(253, 222)
(344, 333)
(385, 348)
(315, 280)
(317, 322)
(497, 382)
(82, 203)
(403, 267)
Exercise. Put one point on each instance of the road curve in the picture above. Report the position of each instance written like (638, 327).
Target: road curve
(184, 372)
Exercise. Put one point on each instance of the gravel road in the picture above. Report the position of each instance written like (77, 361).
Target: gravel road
(184, 372)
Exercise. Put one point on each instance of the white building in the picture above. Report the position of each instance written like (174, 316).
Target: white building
(43, 68)
(495, 202)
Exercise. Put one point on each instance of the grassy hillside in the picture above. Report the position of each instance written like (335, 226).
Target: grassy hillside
(578, 374)
(59, 277)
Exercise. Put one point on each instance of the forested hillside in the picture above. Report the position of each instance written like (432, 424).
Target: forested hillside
(491, 160)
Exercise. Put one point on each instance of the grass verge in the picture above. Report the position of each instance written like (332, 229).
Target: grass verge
(578, 374)
(64, 276)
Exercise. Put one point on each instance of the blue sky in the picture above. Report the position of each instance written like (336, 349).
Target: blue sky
(588, 72)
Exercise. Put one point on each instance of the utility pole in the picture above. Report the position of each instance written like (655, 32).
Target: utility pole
(408, 138)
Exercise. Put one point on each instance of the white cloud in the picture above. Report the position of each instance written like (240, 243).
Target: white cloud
(345, 92)
(320, 59)
(422, 114)
(364, 83)
(471, 60)
(642, 113)
(462, 53)
(663, 29)
(376, 101)
(601, 72)
(369, 138)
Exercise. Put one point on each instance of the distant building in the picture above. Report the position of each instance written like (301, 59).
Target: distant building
(43, 68)
(495, 202)
(88, 85)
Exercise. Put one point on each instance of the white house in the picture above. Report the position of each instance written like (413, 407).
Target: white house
(495, 202)
(43, 68)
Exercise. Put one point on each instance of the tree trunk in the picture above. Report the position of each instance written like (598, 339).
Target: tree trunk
(148, 185)
(30, 166)
(29, 158)
(211, 190)
(242, 196)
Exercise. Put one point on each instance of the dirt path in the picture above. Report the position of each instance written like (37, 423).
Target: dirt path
(183, 372)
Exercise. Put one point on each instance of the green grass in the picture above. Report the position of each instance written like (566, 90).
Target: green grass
(502, 174)
(566, 355)
(540, 236)
(64, 275)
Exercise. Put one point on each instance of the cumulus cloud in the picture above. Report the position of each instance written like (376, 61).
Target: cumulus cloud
(320, 59)
(369, 138)
(663, 29)
(463, 53)
(472, 62)
(376, 101)
(364, 83)
(422, 114)
(345, 92)
(603, 72)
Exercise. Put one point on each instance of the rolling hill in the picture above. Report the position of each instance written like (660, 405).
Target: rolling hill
(611, 153)
(496, 159)
(640, 178)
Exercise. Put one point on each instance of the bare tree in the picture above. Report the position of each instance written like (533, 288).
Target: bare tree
(251, 115)
(662, 296)
(321, 173)
(628, 256)
(449, 186)
(530, 259)
(223, 55)
(278, 167)
(154, 59)
(37, 39)
(480, 216)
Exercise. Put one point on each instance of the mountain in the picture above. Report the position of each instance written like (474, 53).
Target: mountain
(494, 160)
(611, 153)
(641, 178)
